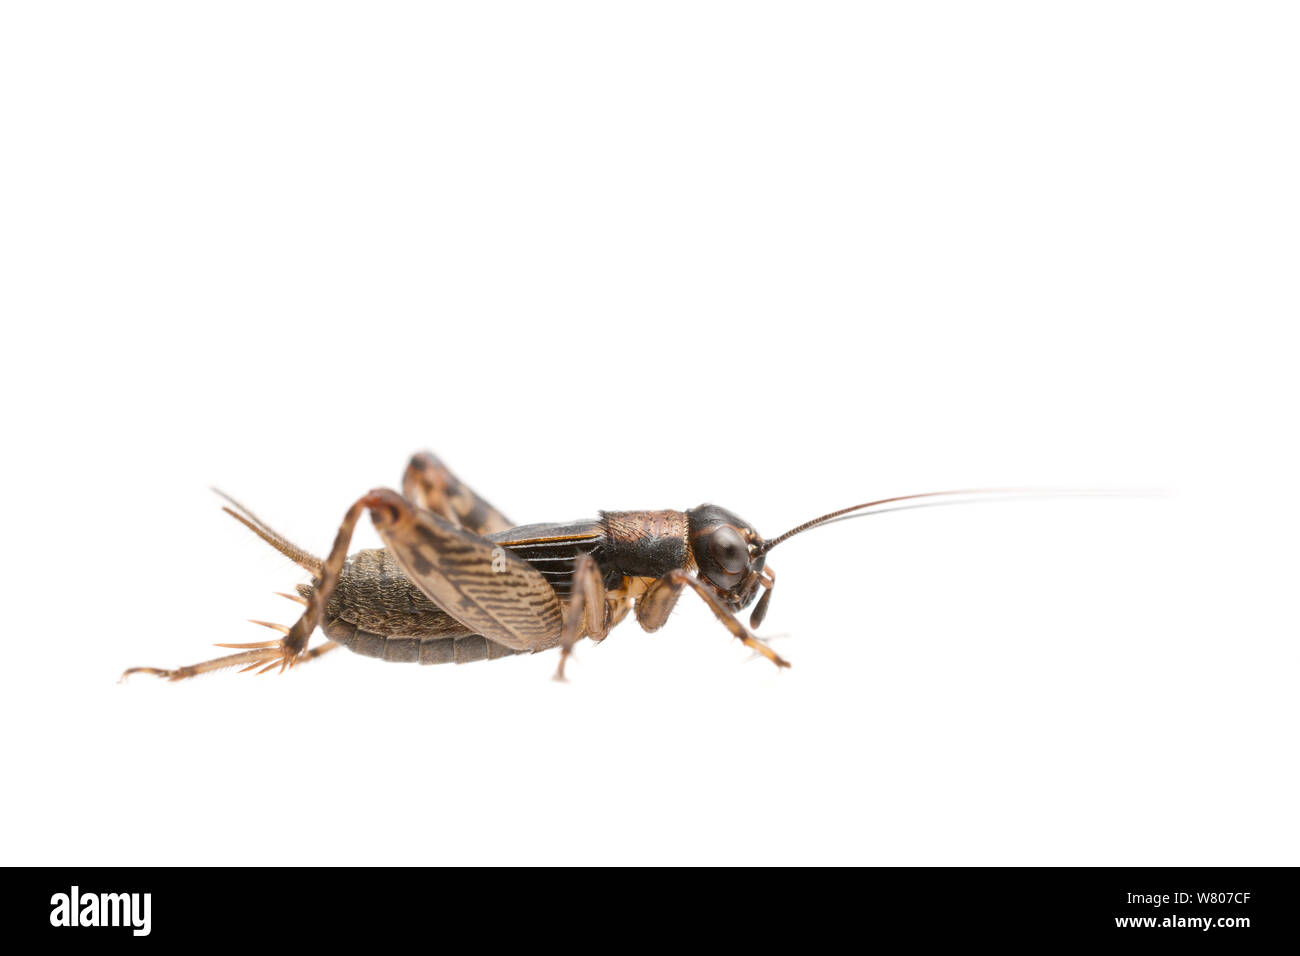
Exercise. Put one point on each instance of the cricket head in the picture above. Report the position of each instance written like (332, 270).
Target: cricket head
(730, 557)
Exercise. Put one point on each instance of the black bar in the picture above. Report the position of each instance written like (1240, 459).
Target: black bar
(1229, 906)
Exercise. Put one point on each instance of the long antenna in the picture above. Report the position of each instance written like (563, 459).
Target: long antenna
(1026, 492)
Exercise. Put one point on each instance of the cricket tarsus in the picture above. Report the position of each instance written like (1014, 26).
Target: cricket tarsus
(251, 659)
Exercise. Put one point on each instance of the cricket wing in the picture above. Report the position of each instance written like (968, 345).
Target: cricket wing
(479, 583)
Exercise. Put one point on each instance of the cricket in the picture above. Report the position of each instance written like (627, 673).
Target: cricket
(457, 582)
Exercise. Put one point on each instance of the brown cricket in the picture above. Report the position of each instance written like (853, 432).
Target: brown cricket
(457, 582)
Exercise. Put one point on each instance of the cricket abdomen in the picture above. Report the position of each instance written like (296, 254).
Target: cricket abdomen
(377, 611)
(414, 650)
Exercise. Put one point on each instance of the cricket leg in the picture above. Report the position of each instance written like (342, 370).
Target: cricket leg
(319, 651)
(660, 598)
(429, 484)
(264, 658)
(294, 642)
(293, 646)
(587, 613)
(768, 580)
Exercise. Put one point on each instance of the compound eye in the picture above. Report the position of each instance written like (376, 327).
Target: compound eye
(727, 547)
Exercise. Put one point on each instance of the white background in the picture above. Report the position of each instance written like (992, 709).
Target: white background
(783, 257)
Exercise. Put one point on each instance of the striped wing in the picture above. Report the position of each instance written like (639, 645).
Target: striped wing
(478, 582)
